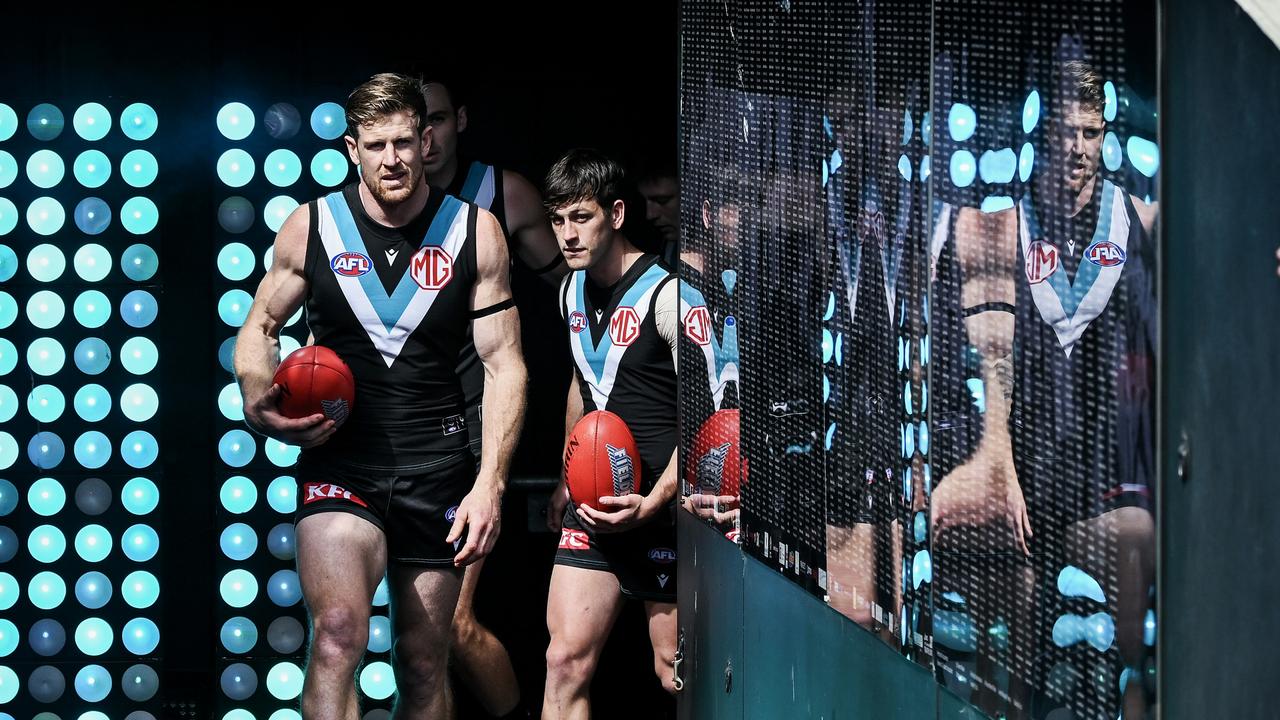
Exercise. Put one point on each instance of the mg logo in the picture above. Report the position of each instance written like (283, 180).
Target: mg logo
(624, 327)
(431, 268)
(697, 325)
(1042, 261)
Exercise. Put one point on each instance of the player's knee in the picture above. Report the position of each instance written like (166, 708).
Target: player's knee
(569, 664)
(338, 636)
(421, 665)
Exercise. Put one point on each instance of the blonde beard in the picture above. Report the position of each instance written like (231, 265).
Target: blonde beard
(394, 197)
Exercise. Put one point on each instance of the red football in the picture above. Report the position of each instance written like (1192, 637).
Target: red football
(600, 459)
(312, 380)
(716, 465)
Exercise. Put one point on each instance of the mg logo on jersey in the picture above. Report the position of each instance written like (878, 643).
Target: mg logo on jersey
(577, 321)
(662, 555)
(624, 328)
(622, 469)
(1105, 253)
(329, 491)
(697, 325)
(350, 264)
(431, 268)
(1042, 261)
(574, 539)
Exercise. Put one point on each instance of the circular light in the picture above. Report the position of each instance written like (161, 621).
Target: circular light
(329, 121)
(139, 215)
(140, 543)
(139, 355)
(238, 541)
(140, 589)
(140, 636)
(92, 310)
(8, 356)
(962, 122)
(238, 495)
(45, 169)
(46, 497)
(91, 121)
(47, 684)
(284, 681)
(46, 403)
(281, 120)
(235, 168)
(285, 635)
(92, 355)
(377, 681)
(226, 354)
(267, 256)
(9, 685)
(238, 588)
(92, 404)
(281, 454)
(236, 448)
(139, 449)
(139, 684)
(233, 307)
(93, 497)
(93, 544)
(45, 356)
(45, 122)
(46, 590)
(138, 309)
(329, 167)
(235, 121)
(138, 168)
(282, 168)
(47, 637)
(287, 714)
(283, 588)
(964, 168)
(92, 262)
(9, 592)
(280, 541)
(93, 449)
(139, 121)
(46, 544)
(46, 262)
(239, 681)
(8, 169)
(8, 309)
(381, 595)
(139, 262)
(46, 450)
(94, 637)
(45, 310)
(8, 263)
(8, 451)
(235, 261)
(287, 345)
(92, 168)
(235, 214)
(139, 402)
(281, 495)
(230, 404)
(239, 714)
(92, 216)
(8, 403)
(140, 496)
(45, 216)
(93, 589)
(238, 635)
(8, 216)
(9, 544)
(93, 684)
(8, 638)
(379, 634)
(9, 122)
(277, 211)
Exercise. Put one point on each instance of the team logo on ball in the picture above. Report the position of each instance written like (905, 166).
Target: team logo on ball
(1105, 253)
(623, 471)
(431, 267)
(350, 264)
(624, 328)
(1042, 261)
(711, 469)
(577, 321)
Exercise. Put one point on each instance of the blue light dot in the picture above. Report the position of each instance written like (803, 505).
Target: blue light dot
(140, 496)
(46, 590)
(283, 588)
(92, 216)
(238, 588)
(329, 121)
(45, 169)
(238, 541)
(377, 681)
(139, 215)
(238, 635)
(46, 497)
(91, 121)
(238, 495)
(45, 122)
(281, 495)
(277, 210)
(235, 168)
(379, 634)
(964, 168)
(93, 449)
(46, 262)
(962, 122)
(281, 454)
(140, 543)
(93, 684)
(139, 355)
(139, 449)
(140, 589)
(8, 122)
(138, 168)
(92, 169)
(139, 121)
(139, 262)
(46, 450)
(282, 167)
(235, 121)
(233, 307)
(138, 309)
(140, 636)
(45, 216)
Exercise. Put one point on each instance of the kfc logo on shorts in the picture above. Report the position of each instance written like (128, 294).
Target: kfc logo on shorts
(451, 514)
(350, 264)
(574, 539)
(1042, 261)
(577, 321)
(624, 328)
(697, 325)
(431, 267)
(329, 491)
(665, 556)
(1105, 253)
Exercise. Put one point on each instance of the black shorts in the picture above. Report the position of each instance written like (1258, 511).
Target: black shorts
(475, 431)
(643, 559)
(871, 497)
(415, 512)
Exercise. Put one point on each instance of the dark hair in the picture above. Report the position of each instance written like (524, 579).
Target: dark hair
(584, 174)
(1077, 80)
(382, 95)
(455, 89)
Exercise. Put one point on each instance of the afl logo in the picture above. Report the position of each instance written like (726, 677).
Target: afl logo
(697, 325)
(350, 264)
(1042, 261)
(451, 514)
(666, 556)
(431, 268)
(624, 327)
(1105, 253)
(577, 321)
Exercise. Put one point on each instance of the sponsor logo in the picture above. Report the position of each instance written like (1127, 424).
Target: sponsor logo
(1042, 261)
(577, 321)
(624, 326)
(329, 491)
(1105, 253)
(431, 268)
(662, 555)
(350, 264)
(734, 536)
(569, 449)
(574, 539)
(451, 514)
(336, 410)
(391, 255)
(710, 470)
(453, 424)
(622, 469)
(697, 325)
(662, 581)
